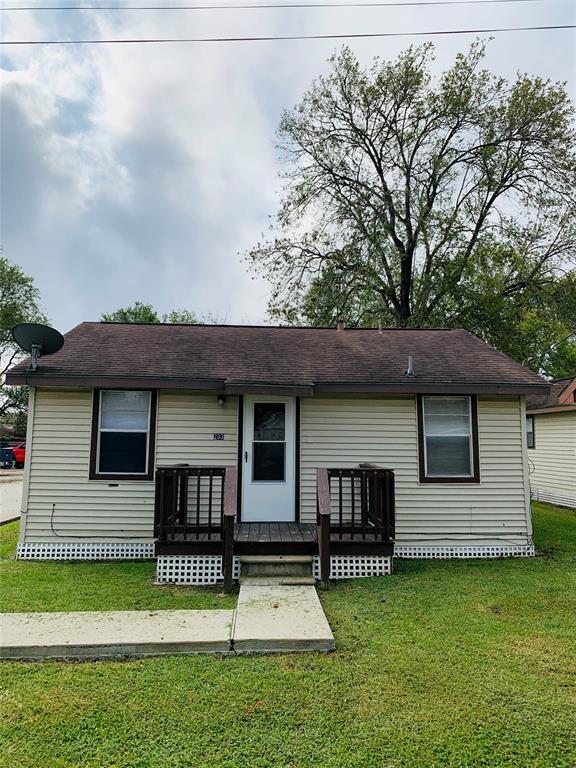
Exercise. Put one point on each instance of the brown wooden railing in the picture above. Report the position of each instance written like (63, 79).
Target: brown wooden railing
(353, 505)
(189, 502)
(323, 512)
(230, 507)
(197, 504)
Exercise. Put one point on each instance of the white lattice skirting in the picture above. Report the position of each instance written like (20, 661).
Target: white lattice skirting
(464, 551)
(355, 566)
(85, 551)
(192, 569)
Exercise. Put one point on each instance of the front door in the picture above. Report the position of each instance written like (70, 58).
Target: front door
(268, 476)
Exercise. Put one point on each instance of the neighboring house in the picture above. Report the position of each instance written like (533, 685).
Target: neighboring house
(551, 428)
(201, 444)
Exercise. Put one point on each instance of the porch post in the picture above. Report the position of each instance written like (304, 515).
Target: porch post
(230, 507)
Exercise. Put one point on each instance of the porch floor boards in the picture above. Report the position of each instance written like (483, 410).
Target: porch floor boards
(273, 538)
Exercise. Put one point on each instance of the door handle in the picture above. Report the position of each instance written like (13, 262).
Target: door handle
(246, 456)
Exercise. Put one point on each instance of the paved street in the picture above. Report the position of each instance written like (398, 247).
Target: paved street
(10, 494)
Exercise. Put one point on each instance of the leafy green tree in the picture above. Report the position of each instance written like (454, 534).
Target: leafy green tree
(15, 411)
(19, 303)
(418, 201)
(180, 317)
(137, 313)
(145, 313)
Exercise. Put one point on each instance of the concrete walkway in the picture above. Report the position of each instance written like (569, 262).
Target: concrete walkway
(114, 633)
(280, 618)
(268, 619)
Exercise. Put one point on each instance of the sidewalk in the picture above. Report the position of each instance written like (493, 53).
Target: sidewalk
(267, 619)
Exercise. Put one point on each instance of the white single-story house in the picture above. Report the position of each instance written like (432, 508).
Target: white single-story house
(202, 444)
(551, 427)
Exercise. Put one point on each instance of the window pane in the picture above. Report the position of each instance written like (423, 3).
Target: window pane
(447, 425)
(530, 431)
(448, 456)
(123, 452)
(446, 416)
(268, 461)
(446, 405)
(269, 421)
(125, 410)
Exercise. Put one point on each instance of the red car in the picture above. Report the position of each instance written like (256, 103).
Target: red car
(19, 453)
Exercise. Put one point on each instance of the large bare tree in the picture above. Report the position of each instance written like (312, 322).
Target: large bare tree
(414, 200)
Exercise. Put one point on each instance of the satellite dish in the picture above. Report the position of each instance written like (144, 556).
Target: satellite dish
(38, 340)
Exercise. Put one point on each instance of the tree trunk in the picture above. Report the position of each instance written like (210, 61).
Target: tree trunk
(405, 311)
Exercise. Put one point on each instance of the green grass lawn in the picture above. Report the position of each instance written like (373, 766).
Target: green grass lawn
(104, 586)
(465, 664)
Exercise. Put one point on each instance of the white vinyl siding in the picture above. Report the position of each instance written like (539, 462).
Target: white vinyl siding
(336, 432)
(187, 424)
(110, 510)
(552, 462)
(341, 432)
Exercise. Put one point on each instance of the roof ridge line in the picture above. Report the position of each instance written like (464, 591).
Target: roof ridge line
(268, 327)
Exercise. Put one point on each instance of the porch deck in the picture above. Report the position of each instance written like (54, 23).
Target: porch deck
(274, 539)
(196, 513)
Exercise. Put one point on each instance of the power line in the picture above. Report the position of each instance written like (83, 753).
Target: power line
(285, 37)
(409, 3)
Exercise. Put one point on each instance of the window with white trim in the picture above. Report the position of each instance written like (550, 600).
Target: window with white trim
(447, 437)
(123, 432)
(530, 437)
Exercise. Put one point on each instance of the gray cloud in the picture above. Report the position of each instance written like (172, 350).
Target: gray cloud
(140, 172)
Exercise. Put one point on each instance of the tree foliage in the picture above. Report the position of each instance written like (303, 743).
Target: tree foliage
(145, 313)
(419, 201)
(19, 303)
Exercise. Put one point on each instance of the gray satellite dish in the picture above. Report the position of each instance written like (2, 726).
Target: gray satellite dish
(38, 340)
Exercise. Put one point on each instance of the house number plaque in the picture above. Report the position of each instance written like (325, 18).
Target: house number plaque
(218, 436)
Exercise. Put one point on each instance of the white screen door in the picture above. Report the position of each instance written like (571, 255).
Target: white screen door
(268, 477)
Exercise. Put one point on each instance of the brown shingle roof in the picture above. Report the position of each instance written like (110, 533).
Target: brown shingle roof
(319, 359)
(561, 394)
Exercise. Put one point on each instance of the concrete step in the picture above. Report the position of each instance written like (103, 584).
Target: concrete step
(281, 619)
(276, 558)
(276, 566)
(266, 581)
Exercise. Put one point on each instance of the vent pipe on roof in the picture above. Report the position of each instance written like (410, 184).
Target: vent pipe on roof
(410, 368)
(340, 324)
(379, 326)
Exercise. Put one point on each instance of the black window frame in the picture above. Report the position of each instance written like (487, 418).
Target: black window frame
(94, 474)
(533, 421)
(475, 463)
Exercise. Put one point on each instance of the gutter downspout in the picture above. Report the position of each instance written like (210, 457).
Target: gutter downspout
(527, 499)
(27, 465)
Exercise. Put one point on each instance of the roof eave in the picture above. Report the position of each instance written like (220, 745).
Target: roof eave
(82, 381)
(415, 386)
(552, 409)
(304, 389)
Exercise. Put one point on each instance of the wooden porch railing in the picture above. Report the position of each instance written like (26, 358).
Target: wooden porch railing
(355, 511)
(353, 505)
(323, 512)
(230, 507)
(197, 504)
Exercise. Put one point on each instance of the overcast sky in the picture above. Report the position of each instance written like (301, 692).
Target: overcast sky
(142, 172)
